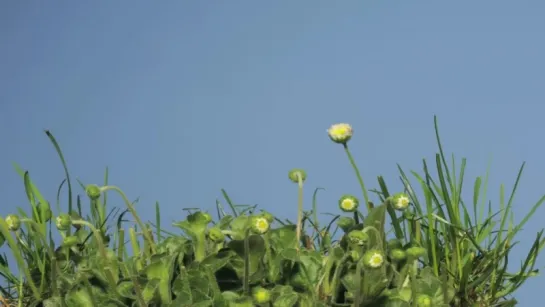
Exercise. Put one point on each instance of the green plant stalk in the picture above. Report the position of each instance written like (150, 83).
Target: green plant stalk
(101, 248)
(200, 246)
(431, 229)
(33, 247)
(268, 253)
(358, 282)
(360, 179)
(133, 212)
(41, 263)
(315, 212)
(337, 277)
(147, 249)
(246, 280)
(65, 167)
(158, 221)
(391, 211)
(20, 290)
(136, 249)
(18, 257)
(299, 212)
(414, 289)
(31, 198)
(121, 243)
(325, 283)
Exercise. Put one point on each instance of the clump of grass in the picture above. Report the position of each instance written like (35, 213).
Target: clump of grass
(426, 248)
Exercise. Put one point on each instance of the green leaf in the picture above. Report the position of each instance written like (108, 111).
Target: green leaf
(376, 219)
(283, 236)
(162, 268)
(286, 300)
(257, 250)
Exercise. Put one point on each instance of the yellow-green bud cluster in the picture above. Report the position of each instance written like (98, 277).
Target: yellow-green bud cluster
(357, 237)
(215, 235)
(93, 191)
(261, 295)
(296, 174)
(348, 203)
(340, 133)
(400, 201)
(373, 259)
(63, 222)
(259, 224)
(13, 221)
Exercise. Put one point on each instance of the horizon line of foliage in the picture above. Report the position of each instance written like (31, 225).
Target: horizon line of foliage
(439, 250)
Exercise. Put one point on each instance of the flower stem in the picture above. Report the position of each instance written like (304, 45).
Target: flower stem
(299, 212)
(246, 280)
(134, 214)
(360, 179)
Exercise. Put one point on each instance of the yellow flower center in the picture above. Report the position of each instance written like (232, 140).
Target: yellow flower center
(262, 224)
(262, 296)
(348, 204)
(376, 260)
(403, 202)
(340, 131)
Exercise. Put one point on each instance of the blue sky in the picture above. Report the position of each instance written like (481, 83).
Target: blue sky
(183, 98)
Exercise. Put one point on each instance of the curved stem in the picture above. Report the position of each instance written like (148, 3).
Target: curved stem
(337, 277)
(360, 179)
(134, 214)
(101, 248)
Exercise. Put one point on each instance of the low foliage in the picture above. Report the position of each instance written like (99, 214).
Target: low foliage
(413, 249)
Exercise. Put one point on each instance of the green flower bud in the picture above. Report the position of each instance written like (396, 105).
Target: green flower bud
(93, 191)
(259, 224)
(346, 223)
(266, 215)
(70, 241)
(201, 218)
(398, 255)
(395, 243)
(13, 221)
(348, 203)
(354, 255)
(416, 252)
(215, 235)
(261, 295)
(423, 300)
(326, 239)
(399, 201)
(295, 173)
(357, 237)
(46, 212)
(63, 222)
(373, 259)
(340, 133)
